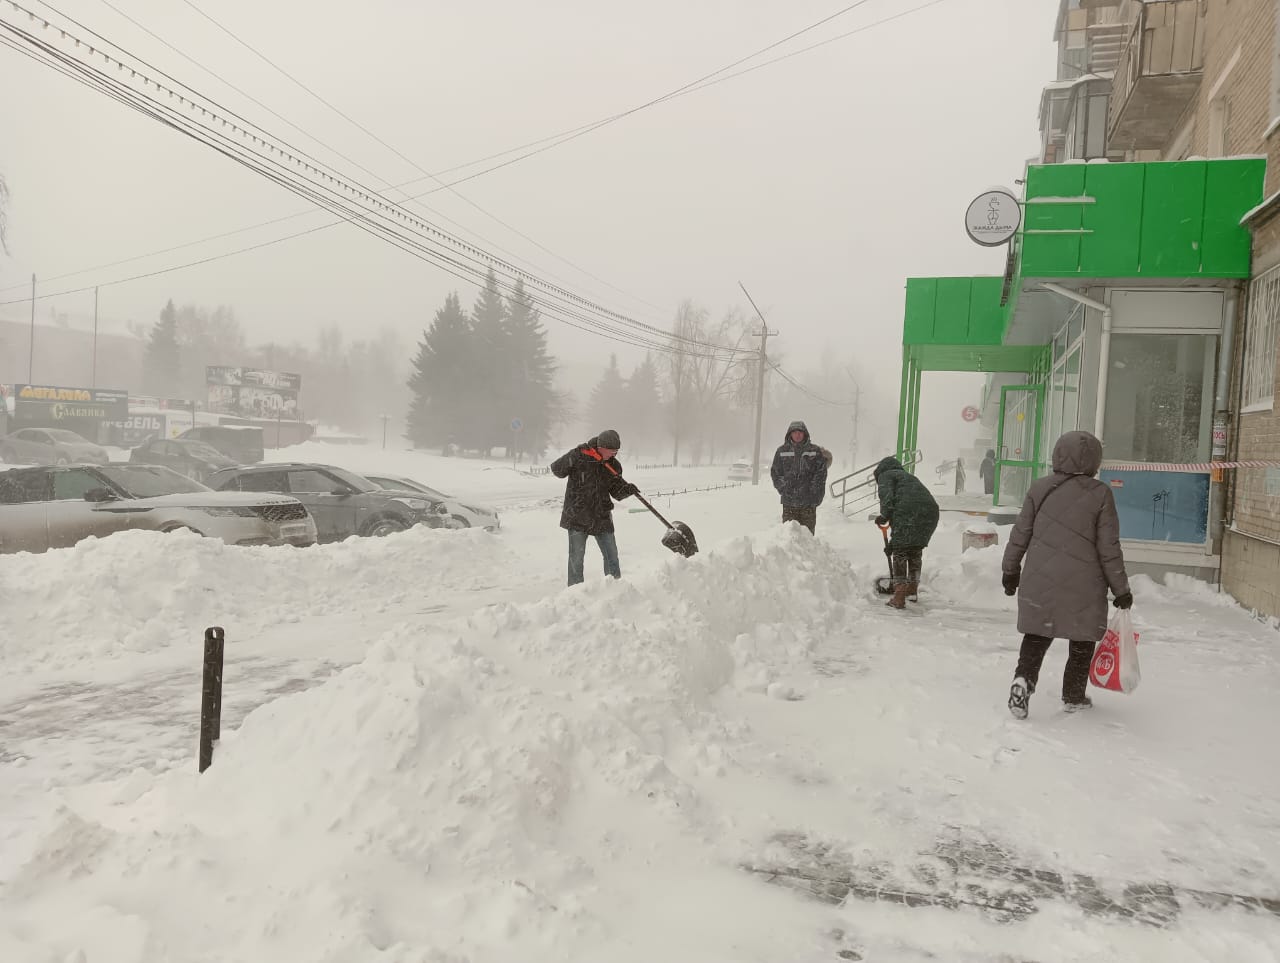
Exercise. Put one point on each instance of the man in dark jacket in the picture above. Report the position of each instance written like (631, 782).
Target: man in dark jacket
(907, 506)
(988, 472)
(799, 474)
(595, 477)
(1069, 534)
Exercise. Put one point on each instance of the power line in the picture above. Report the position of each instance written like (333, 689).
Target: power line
(573, 132)
(400, 154)
(369, 203)
(813, 395)
(218, 77)
(449, 264)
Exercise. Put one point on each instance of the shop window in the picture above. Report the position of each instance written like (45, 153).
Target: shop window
(1259, 374)
(1157, 506)
(1159, 390)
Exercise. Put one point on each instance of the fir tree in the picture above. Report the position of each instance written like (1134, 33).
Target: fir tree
(609, 401)
(533, 370)
(644, 405)
(441, 380)
(489, 416)
(161, 363)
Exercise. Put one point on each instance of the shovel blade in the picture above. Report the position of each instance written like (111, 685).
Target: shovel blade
(679, 538)
(884, 585)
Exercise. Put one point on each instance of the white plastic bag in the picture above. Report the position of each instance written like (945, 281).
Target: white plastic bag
(1115, 660)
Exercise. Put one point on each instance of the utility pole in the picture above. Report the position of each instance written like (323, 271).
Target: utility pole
(763, 334)
(385, 419)
(764, 362)
(93, 374)
(31, 352)
(857, 409)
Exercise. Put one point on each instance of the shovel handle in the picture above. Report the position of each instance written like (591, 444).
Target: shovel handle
(643, 501)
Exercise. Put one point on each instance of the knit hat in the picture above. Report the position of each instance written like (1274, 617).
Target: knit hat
(609, 439)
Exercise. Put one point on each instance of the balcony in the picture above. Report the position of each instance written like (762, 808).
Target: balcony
(1157, 75)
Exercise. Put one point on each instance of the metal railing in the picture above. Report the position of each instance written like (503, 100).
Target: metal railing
(849, 488)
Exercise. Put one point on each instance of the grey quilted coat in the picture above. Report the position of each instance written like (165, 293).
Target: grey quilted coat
(1066, 542)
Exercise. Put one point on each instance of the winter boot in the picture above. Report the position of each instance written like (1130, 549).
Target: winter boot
(913, 592)
(1084, 703)
(1019, 698)
(900, 593)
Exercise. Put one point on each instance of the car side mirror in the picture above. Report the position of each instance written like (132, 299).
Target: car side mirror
(442, 509)
(342, 490)
(99, 495)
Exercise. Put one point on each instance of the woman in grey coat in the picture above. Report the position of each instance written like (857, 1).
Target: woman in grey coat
(1069, 535)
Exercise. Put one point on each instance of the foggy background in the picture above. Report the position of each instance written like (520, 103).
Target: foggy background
(820, 182)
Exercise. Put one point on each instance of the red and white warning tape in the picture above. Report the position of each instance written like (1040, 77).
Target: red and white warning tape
(1178, 466)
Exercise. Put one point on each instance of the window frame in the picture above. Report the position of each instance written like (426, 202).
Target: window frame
(1261, 340)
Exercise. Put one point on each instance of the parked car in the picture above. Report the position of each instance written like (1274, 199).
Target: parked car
(342, 503)
(241, 443)
(50, 446)
(44, 508)
(740, 471)
(186, 456)
(461, 515)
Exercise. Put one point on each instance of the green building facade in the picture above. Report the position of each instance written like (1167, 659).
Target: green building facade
(1113, 315)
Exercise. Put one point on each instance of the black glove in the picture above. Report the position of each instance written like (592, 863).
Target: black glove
(1124, 601)
(882, 520)
(629, 489)
(1011, 580)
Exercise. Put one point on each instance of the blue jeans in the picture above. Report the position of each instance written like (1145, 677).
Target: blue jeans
(578, 551)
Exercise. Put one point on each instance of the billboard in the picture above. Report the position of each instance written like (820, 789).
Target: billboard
(252, 392)
(49, 404)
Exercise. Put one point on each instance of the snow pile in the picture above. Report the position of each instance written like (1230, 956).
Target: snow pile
(148, 591)
(510, 786)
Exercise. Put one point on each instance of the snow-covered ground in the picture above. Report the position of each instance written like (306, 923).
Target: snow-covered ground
(432, 751)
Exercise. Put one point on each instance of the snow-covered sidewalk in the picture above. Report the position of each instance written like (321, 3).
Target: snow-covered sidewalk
(433, 752)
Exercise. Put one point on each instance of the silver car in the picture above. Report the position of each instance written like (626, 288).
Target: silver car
(460, 515)
(50, 446)
(44, 508)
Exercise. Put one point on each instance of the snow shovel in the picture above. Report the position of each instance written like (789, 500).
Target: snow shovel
(884, 584)
(678, 536)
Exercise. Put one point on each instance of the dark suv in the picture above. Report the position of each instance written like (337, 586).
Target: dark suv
(186, 456)
(341, 502)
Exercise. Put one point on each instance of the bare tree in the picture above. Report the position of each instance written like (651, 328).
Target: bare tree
(708, 387)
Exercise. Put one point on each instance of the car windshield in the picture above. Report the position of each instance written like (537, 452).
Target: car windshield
(200, 450)
(66, 437)
(355, 481)
(412, 485)
(149, 481)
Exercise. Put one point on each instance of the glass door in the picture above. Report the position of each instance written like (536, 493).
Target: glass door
(1020, 429)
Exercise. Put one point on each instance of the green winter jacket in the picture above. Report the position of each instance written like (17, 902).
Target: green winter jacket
(907, 504)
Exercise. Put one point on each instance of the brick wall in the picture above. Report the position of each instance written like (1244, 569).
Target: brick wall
(1239, 66)
(1243, 32)
(1254, 568)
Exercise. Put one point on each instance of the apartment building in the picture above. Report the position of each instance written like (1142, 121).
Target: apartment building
(1140, 294)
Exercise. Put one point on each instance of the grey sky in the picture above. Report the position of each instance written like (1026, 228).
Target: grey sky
(821, 182)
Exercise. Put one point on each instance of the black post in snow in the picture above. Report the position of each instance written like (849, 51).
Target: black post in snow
(211, 694)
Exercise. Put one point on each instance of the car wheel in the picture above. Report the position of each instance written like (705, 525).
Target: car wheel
(380, 527)
(462, 522)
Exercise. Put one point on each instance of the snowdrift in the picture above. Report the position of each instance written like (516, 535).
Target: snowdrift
(149, 591)
(508, 787)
